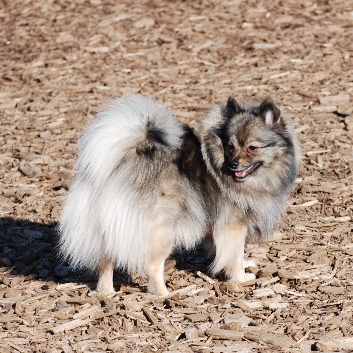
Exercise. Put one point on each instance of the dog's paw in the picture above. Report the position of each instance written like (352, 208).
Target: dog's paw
(104, 290)
(249, 277)
(159, 290)
(249, 263)
(243, 277)
(97, 294)
(92, 293)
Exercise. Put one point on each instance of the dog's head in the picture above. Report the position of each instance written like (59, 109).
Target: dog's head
(251, 144)
(250, 138)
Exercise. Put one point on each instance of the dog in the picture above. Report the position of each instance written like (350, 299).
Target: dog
(147, 184)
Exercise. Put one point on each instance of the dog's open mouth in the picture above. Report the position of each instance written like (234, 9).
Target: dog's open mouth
(244, 173)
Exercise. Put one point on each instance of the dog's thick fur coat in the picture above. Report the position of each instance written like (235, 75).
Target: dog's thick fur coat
(147, 184)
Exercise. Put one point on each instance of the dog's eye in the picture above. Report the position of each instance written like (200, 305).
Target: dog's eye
(230, 148)
(252, 148)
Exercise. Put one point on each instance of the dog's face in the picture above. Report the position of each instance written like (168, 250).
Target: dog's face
(256, 148)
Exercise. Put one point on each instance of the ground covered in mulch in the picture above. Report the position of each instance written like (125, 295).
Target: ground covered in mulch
(59, 63)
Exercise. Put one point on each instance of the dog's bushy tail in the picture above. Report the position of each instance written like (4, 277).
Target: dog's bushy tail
(135, 125)
(122, 155)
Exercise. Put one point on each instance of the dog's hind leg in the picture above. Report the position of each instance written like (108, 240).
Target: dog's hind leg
(161, 248)
(155, 270)
(105, 281)
(230, 253)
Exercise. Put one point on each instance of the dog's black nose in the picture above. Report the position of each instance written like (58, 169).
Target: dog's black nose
(233, 164)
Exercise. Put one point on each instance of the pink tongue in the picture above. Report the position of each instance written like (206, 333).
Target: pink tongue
(243, 173)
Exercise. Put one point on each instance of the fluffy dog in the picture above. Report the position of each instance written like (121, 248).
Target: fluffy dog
(147, 184)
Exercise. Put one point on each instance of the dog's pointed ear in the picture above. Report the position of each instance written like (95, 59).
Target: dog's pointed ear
(232, 108)
(269, 112)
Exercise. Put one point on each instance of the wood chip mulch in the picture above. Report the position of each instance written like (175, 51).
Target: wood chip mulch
(60, 62)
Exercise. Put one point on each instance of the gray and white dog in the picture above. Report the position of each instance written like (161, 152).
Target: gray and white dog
(147, 184)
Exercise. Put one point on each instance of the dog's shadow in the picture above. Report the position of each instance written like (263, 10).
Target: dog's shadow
(30, 249)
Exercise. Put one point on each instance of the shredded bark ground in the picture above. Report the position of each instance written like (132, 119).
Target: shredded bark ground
(62, 60)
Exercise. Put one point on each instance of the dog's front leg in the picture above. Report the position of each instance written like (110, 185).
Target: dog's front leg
(236, 268)
(230, 245)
